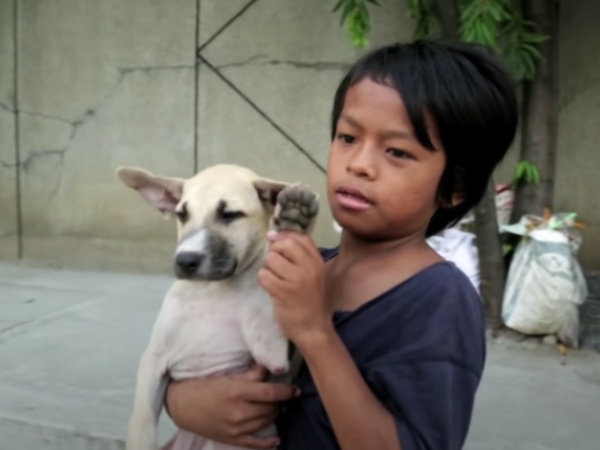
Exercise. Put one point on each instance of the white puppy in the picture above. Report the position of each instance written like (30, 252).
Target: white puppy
(215, 318)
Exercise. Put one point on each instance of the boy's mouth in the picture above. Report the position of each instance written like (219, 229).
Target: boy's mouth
(351, 198)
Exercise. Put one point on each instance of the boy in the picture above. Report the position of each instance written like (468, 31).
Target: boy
(393, 336)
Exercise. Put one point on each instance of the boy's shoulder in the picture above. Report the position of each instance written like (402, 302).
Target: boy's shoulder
(435, 314)
(444, 285)
(440, 286)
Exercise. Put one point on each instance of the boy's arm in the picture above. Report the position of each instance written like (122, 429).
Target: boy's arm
(359, 420)
(421, 402)
(417, 395)
(228, 409)
(417, 389)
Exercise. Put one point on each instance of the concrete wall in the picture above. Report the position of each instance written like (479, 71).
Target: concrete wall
(578, 158)
(8, 172)
(100, 84)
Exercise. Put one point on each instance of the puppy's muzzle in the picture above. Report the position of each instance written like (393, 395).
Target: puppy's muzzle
(188, 263)
(204, 255)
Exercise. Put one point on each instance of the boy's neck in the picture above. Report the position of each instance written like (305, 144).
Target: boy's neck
(355, 248)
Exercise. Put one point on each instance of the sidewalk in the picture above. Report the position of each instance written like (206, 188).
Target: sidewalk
(70, 342)
(69, 347)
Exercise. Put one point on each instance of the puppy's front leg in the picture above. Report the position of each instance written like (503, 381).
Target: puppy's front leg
(150, 389)
(296, 210)
(267, 344)
(151, 383)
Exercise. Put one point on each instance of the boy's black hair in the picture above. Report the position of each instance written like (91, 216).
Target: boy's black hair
(471, 98)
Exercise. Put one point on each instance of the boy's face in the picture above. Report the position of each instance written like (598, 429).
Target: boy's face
(381, 182)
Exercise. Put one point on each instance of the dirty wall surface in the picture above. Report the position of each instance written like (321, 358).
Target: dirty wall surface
(176, 86)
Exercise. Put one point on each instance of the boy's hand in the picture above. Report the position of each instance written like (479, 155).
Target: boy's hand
(293, 276)
(230, 408)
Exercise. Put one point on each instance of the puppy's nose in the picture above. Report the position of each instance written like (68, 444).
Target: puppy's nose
(188, 262)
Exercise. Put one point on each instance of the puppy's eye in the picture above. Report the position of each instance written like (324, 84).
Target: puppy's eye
(182, 213)
(230, 216)
(227, 216)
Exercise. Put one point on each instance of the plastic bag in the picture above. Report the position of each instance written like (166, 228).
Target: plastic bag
(460, 248)
(545, 283)
(505, 196)
(504, 199)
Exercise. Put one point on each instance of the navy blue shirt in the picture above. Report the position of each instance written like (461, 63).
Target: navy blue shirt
(420, 346)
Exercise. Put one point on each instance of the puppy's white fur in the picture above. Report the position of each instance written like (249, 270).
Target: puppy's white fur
(216, 319)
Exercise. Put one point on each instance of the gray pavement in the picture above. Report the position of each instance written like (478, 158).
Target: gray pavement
(70, 342)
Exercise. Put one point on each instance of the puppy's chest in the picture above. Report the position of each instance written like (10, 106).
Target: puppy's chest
(206, 332)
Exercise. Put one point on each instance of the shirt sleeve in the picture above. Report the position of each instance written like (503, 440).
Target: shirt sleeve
(430, 376)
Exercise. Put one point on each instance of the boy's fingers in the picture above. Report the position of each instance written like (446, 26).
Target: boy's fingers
(260, 422)
(290, 244)
(255, 373)
(278, 264)
(251, 441)
(306, 246)
(271, 392)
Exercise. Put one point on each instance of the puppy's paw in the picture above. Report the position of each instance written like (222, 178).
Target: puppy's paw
(297, 208)
(141, 435)
(274, 357)
(277, 367)
(140, 444)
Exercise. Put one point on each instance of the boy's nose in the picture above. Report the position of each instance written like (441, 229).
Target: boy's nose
(361, 164)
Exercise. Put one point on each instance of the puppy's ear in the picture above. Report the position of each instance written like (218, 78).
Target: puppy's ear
(268, 190)
(162, 193)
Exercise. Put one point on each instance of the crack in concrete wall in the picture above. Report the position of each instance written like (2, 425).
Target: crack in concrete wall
(264, 115)
(327, 65)
(26, 159)
(257, 44)
(264, 60)
(6, 108)
(35, 155)
(149, 69)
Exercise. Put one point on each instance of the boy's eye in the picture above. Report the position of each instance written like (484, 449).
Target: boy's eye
(399, 153)
(346, 138)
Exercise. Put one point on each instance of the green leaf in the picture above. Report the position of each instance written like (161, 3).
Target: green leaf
(355, 18)
(520, 171)
(421, 11)
(348, 10)
(526, 172)
(529, 175)
(498, 24)
(538, 38)
(338, 5)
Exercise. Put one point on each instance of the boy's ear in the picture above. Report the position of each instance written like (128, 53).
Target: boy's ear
(268, 190)
(456, 199)
(162, 193)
